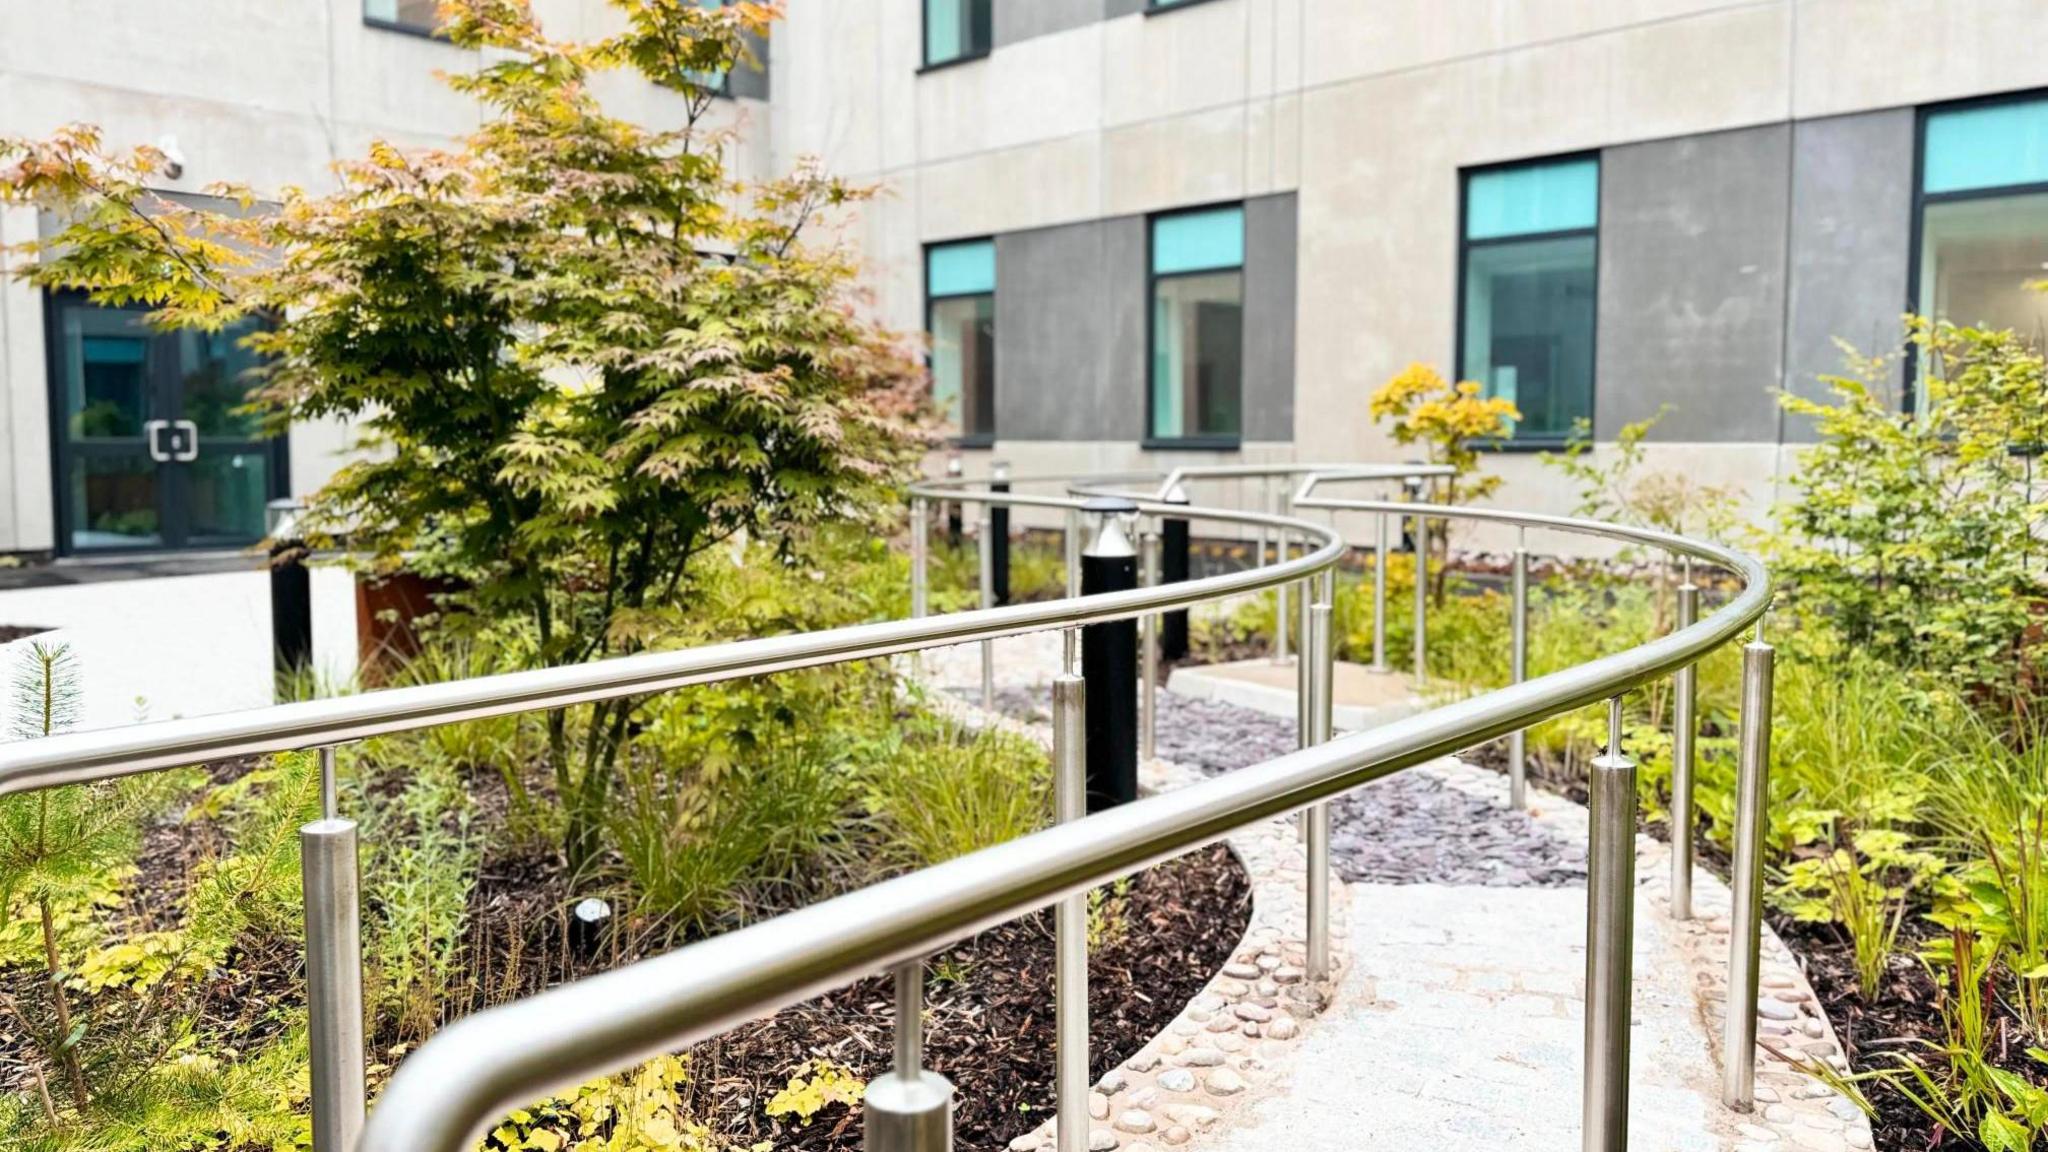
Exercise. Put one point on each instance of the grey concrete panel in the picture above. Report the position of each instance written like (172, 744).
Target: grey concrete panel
(1022, 19)
(1070, 332)
(1692, 285)
(1111, 9)
(1852, 232)
(1270, 232)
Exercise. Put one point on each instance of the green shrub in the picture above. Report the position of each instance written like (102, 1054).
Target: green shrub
(940, 791)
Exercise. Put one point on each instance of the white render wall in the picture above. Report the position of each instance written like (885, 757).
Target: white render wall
(266, 93)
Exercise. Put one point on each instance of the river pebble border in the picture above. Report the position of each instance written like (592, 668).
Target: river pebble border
(1226, 1048)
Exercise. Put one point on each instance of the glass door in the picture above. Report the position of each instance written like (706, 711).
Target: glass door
(151, 449)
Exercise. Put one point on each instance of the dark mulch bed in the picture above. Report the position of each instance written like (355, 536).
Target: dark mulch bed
(10, 632)
(990, 1022)
(1875, 1032)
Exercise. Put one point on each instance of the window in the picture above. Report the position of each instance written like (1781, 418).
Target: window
(960, 314)
(1197, 327)
(420, 16)
(1528, 294)
(1984, 215)
(955, 30)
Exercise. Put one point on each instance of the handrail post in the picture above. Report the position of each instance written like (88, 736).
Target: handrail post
(1610, 942)
(1684, 729)
(1421, 599)
(1070, 922)
(330, 806)
(1745, 936)
(988, 600)
(334, 981)
(1321, 655)
(1379, 597)
(1280, 620)
(909, 1109)
(920, 558)
(1148, 652)
(1073, 546)
(1518, 671)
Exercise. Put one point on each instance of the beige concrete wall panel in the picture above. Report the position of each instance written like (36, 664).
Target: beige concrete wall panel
(1190, 159)
(1857, 55)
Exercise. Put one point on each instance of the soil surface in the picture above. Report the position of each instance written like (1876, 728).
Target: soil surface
(11, 632)
(989, 1023)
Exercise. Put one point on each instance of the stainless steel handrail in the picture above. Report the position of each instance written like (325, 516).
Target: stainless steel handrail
(484, 1065)
(83, 757)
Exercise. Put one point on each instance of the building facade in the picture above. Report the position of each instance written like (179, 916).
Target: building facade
(1142, 233)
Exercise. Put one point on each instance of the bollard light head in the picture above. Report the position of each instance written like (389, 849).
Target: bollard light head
(1175, 494)
(999, 471)
(1111, 537)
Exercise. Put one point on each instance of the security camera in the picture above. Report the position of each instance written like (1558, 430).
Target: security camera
(174, 157)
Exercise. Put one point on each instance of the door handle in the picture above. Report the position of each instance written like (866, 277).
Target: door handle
(187, 449)
(151, 429)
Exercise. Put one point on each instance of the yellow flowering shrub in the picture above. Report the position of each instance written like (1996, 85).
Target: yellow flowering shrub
(640, 1111)
(1449, 421)
(815, 1086)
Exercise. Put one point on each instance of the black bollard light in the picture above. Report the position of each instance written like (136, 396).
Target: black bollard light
(1173, 568)
(291, 589)
(1109, 660)
(999, 525)
(953, 506)
(587, 924)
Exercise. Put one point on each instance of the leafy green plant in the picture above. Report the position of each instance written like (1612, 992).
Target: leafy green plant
(581, 354)
(814, 1086)
(1863, 888)
(638, 1111)
(1916, 536)
(940, 791)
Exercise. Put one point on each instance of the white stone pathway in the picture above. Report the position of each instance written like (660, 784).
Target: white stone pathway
(1459, 1019)
(169, 646)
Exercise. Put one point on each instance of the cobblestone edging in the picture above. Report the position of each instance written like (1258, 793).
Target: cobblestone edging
(1226, 1048)
(1794, 1112)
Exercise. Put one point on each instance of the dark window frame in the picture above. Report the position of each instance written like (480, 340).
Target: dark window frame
(1916, 238)
(1197, 443)
(966, 439)
(924, 41)
(1465, 247)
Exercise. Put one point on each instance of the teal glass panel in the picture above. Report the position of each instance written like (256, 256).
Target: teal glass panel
(1198, 241)
(1529, 312)
(1532, 198)
(942, 31)
(960, 269)
(1992, 146)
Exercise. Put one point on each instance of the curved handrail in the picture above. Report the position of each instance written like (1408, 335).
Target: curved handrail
(103, 754)
(486, 1064)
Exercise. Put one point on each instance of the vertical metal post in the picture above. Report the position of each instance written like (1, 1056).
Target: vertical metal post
(1280, 621)
(1684, 728)
(1148, 655)
(1518, 670)
(329, 806)
(1070, 922)
(988, 600)
(920, 557)
(1320, 654)
(1752, 792)
(1379, 599)
(334, 981)
(909, 1109)
(1421, 600)
(1610, 942)
(1109, 660)
(1072, 540)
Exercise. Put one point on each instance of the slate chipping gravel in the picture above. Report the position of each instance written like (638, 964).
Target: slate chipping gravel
(1407, 829)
